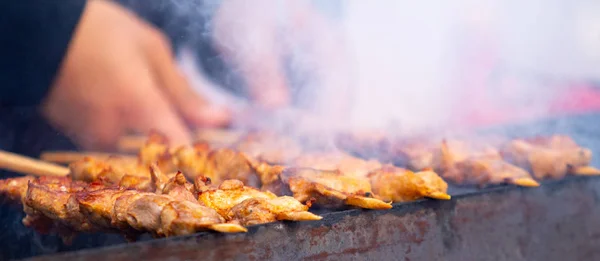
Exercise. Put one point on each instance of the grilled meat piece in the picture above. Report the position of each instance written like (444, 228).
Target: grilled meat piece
(552, 157)
(465, 163)
(156, 150)
(224, 164)
(125, 172)
(268, 147)
(143, 214)
(218, 165)
(162, 215)
(415, 153)
(185, 217)
(229, 194)
(351, 170)
(400, 185)
(52, 199)
(192, 160)
(177, 186)
(330, 189)
(372, 144)
(111, 170)
(254, 211)
(332, 161)
(75, 207)
(97, 206)
(201, 160)
(14, 189)
(488, 170)
(237, 202)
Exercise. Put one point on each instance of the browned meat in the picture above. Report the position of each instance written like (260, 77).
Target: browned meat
(551, 157)
(111, 170)
(338, 173)
(156, 150)
(143, 214)
(415, 153)
(467, 163)
(197, 160)
(269, 147)
(52, 200)
(229, 194)
(14, 189)
(223, 164)
(61, 204)
(486, 170)
(192, 160)
(401, 185)
(97, 206)
(337, 161)
(231, 199)
(185, 217)
(161, 215)
(256, 211)
(330, 189)
(179, 188)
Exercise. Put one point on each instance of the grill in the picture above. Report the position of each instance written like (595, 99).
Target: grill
(557, 221)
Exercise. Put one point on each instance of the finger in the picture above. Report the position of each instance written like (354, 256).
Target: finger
(194, 109)
(254, 49)
(153, 111)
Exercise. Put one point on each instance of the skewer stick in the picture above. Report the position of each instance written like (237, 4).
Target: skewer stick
(133, 143)
(30, 166)
(66, 157)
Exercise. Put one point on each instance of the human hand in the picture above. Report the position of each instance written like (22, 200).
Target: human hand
(119, 75)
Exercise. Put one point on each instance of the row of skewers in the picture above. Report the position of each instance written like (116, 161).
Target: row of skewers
(227, 183)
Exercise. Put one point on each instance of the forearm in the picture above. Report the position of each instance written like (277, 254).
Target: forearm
(36, 35)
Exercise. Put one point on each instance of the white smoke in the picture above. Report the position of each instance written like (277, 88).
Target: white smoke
(418, 64)
(412, 56)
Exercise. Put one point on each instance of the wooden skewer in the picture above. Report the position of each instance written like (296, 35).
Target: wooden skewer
(219, 136)
(132, 144)
(66, 157)
(26, 165)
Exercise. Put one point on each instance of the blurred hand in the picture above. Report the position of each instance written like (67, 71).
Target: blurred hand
(119, 75)
(257, 37)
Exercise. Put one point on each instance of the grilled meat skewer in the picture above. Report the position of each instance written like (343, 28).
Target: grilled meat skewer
(465, 163)
(338, 173)
(330, 189)
(552, 157)
(400, 185)
(94, 207)
(249, 206)
(199, 160)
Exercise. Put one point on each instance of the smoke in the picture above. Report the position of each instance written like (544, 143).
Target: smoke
(423, 65)
(427, 64)
(402, 72)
